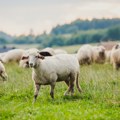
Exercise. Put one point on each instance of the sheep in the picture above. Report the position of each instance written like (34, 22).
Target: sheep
(84, 54)
(48, 52)
(24, 63)
(115, 57)
(2, 55)
(12, 55)
(88, 54)
(3, 73)
(98, 54)
(60, 51)
(49, 70)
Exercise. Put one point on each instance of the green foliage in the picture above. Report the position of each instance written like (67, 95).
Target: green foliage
(100, 99)
(3, 41)
(78, 25)
(77, 32)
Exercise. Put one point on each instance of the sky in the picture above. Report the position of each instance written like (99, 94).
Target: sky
(20, 16)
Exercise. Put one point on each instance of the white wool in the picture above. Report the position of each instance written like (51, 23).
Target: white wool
(60, 51)
(59, 66)
(88, 54)
(2, 55)
(12, 55)
(84, 54)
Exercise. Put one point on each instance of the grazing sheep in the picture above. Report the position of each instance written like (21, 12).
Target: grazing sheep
(115, 56)
(2, 55)
(47, 52)
(49, 70)
(3, 73)
(98, 54)
(12, 55)
(88, 54)
(84, 54)
(60, 51)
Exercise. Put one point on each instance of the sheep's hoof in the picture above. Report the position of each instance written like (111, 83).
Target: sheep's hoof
(66, 94)
(52, 95)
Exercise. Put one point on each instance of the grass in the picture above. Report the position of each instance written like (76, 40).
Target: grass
(100, 99)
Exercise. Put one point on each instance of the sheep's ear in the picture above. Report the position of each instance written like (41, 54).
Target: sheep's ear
(116, 46)
(41, 57)
(24, 57)
(43, 53)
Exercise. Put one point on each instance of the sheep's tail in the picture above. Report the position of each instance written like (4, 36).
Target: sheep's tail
(77, 84)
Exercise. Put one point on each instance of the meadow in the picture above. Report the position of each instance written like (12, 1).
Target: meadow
(100, 99)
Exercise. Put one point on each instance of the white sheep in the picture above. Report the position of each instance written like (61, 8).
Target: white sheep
(88, 54)
(3, 73)
(98, 54)
(2, 55)
(84, 54)
(115, 56)
(60, 51)
(24, 63)
(49, 70)
(12, 56)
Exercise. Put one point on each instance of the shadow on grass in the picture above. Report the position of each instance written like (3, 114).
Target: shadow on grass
(68, 98)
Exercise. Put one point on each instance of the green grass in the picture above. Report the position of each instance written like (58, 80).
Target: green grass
(100, 99)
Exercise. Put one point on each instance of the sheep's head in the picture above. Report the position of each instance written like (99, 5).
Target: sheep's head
(116, 46)
(100, 50)
(30, 59)
(3, 73)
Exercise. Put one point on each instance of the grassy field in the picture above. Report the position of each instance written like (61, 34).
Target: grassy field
(100, 99)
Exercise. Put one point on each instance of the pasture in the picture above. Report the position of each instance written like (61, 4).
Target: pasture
(100, 99)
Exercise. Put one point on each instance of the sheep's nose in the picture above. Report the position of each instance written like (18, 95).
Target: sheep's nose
(31, 64)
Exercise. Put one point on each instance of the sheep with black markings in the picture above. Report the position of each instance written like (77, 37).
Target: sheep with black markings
(49, 70)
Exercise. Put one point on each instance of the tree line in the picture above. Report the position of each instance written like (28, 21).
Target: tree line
(77, 32)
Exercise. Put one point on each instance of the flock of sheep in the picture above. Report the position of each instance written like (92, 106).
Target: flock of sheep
(50, 66)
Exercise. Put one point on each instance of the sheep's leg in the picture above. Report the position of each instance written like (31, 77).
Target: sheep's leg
(115, 65)
(52, 90)
(71, 85)
(77, 84)
(67, 82)
(37, 88)
(67, 92)
(72, 79)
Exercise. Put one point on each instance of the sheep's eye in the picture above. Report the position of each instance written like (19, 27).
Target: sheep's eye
(36, 56)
